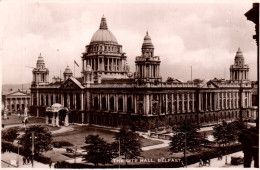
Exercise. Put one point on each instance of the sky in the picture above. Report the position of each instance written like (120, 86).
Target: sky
(205, 36)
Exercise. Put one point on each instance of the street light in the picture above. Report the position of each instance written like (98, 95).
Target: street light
(18, 154)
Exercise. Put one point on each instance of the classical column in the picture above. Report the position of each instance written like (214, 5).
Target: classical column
(82, 101)
(226, 96)
(49, 100)
(172, 103)
(200, 102)
(237, 104)
(166, 103)
(188, 102)
(57, 119)
(45, 99)
(147, 104)
(54, 98)
(116, 102)
(68, 100)
(62, 99)
(210, 101)
(112, 64)
(66, 123)
(53, 119)
(108, 65)
(135, 109)
(250, 99)
(74, 100)
(178, 103)
(182, 100)
(206, 101)
(15, 106)
(193, 102)
(124, 103)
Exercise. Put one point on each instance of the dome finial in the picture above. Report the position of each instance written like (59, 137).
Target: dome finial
(147, 32)
(103, 24)
(239, 50)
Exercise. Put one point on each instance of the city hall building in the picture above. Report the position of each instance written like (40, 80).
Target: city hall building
(108, 94)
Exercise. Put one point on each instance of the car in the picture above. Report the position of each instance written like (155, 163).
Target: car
(236, 160)
(69, 150)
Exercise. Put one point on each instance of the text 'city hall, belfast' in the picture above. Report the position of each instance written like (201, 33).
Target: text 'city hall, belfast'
(108, 94)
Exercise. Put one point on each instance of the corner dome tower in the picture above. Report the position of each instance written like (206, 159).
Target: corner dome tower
(239, 71)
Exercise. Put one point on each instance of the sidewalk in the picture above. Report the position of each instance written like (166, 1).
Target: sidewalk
(164, 144)
(63, 129)
(12, 158)
(215, 163)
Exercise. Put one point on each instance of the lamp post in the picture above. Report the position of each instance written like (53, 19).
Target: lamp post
(185, 147)
(18, 154)
(75, 154)
(32, 148)
(119, 153)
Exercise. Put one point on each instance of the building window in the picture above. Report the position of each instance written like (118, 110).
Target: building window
(120, 104)
(96, 103)
(104, 103)
(129, 104)
(111, 101)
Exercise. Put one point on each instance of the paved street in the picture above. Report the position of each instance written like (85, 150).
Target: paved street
(215, 163)
(12, 158)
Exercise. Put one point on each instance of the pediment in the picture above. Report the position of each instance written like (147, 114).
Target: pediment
(209, 84)
(17, 93)
(70, 84)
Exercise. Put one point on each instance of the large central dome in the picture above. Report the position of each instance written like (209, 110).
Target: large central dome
(103, 34)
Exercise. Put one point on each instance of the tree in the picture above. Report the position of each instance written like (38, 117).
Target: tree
(98, 151)
(42, 139)
(225, 134)
(10, 134)
(238, 127)
(186, 139)
(130, 144)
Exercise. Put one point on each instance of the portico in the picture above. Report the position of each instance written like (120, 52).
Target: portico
(57, 115)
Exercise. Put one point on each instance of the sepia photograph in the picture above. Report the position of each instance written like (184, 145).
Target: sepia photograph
(134, 84)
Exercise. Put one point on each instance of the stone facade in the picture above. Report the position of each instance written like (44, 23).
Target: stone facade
(16, 100)
(108, 94)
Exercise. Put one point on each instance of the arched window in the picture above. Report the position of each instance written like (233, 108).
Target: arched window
(51, 99)
(42, 102)
(111, 101)
(104, 103)
(120, 104)
(129, 104)
(71, 101)
(96, 102)
(47, 100)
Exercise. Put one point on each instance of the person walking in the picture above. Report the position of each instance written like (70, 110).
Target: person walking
(200, 163)
(24, 160)
(50, 163)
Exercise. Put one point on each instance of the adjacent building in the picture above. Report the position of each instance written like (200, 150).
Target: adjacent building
(13, 101)
(108, 94)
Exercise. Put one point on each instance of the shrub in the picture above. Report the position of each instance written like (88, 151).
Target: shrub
(59, 144)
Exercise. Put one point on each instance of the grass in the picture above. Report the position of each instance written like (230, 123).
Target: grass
(77, 136)
(149, 142)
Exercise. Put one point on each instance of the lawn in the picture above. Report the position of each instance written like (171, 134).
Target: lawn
(77, 136)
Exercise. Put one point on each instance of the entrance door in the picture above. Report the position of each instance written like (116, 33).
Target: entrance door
(62, 115)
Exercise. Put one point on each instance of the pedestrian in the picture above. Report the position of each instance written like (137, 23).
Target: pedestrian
(209, 161)
(182, 164)
(28, 159)
(24, 160)
(200, 163)
(50, 163)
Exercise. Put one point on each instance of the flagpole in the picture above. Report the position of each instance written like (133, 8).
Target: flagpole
(74, 68)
